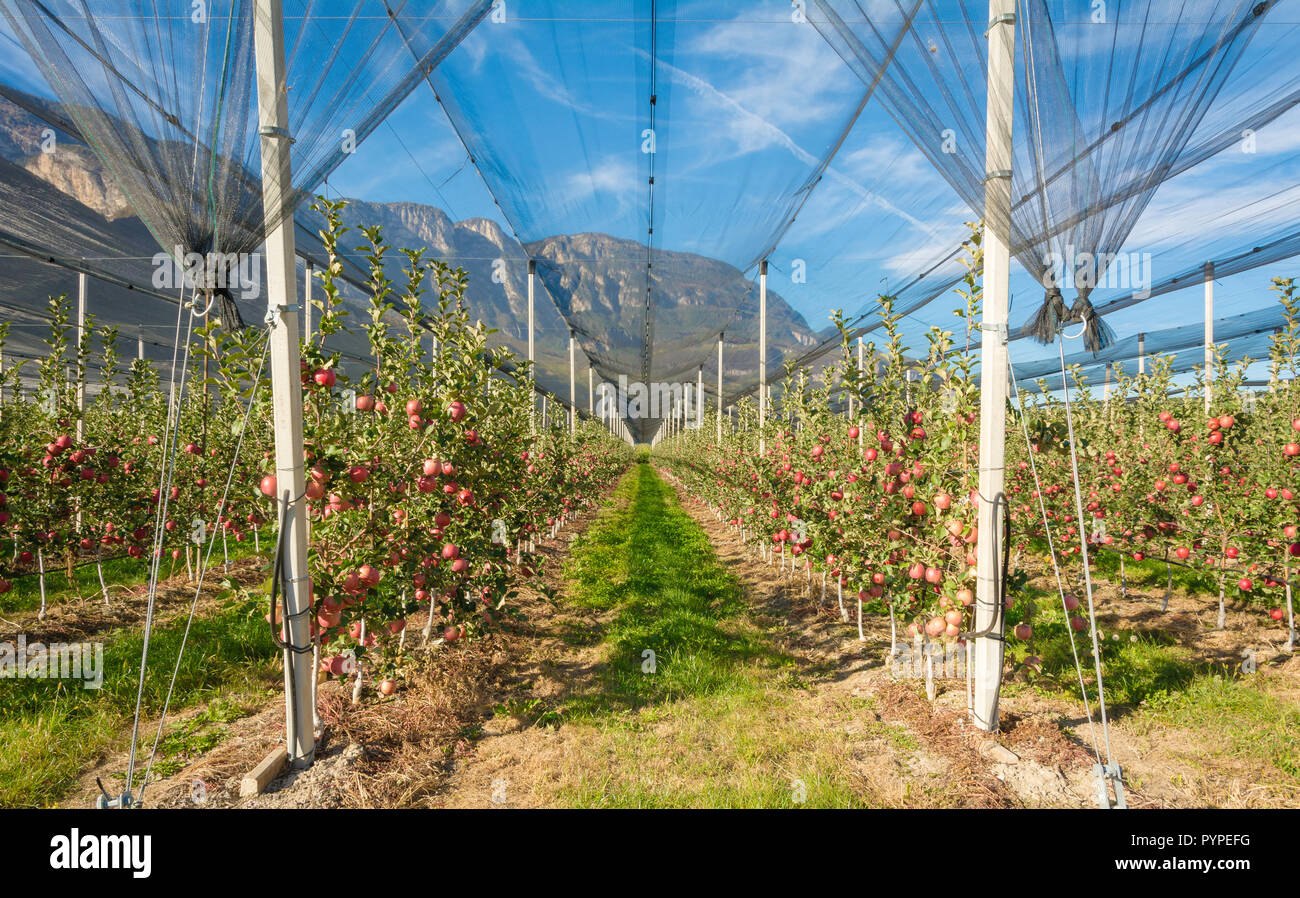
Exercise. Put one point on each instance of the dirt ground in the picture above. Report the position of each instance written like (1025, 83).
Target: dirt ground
(465, 735)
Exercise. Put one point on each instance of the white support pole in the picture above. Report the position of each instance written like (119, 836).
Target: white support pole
(762, 354)
(139, 346)
(532, 276)
(993, 358)
(1105, 390)
(286, 389)
(1142, 354)
(1273, 369)
(306, 304)
(591, 391)
(699, 399)
(573, 388)
(720, 338)
(81, 362)
(1209, 336)
(862, 367)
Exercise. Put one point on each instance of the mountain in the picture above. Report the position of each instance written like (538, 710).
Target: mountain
(596, 281)
(74, 171)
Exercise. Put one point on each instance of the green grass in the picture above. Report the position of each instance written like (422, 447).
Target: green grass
(1140, 664)
(26, 592)
(722, 721)
(197, 734)
(1152, 573)
(51, 729)
(654, 566)
(743, 747)
(1137, 664)
(1247, 721)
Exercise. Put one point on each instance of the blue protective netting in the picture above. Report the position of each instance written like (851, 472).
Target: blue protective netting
(808, 134)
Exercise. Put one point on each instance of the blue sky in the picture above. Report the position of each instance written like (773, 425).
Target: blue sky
(556, 102)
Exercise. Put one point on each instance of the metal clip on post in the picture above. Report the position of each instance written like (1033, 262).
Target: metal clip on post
(998, 330)
(275, 131)
(273, 313)
(1007, 18)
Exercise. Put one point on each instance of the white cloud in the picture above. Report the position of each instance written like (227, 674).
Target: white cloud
(751, 133)
(784, 73)
(613, 178)
(912, 260)
(894, 156)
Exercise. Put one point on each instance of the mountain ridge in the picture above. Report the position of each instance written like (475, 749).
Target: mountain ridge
(596, 281)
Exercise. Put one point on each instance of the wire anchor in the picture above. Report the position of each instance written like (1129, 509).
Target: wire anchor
(104, 800)
(1107, 774)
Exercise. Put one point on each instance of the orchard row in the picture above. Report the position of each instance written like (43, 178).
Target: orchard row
(428, 480)
(885, 498)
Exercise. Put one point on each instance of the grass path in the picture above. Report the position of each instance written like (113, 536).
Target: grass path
(677, 695)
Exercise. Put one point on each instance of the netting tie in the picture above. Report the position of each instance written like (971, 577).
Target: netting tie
(997, 175)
